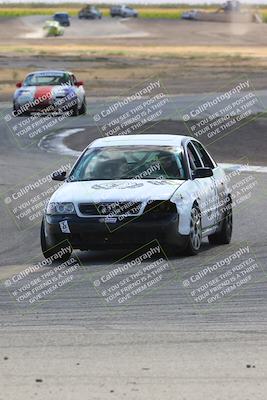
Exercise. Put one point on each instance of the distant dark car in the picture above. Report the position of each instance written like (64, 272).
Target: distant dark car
(123, 11)
(90, 12)
(62, 18)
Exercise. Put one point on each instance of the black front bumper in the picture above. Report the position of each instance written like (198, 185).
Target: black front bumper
(95, 234)
(57, 104)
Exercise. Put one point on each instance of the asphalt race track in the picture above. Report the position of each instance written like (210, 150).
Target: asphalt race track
(161, 346)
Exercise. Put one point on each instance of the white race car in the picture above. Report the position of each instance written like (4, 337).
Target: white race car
(49, 91)
(125, 191)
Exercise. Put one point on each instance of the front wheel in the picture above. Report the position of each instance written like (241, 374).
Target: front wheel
(15, 111)
(195, 236)
(74, 112)
(83, 108)
(18, 113)
(57, 253)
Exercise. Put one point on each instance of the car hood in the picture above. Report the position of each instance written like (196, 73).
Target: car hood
(117, 190)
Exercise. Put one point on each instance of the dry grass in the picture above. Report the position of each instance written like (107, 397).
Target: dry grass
(134, 51)
(108, 76)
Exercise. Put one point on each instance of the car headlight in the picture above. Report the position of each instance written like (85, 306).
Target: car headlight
(60, 208)
(160, 207)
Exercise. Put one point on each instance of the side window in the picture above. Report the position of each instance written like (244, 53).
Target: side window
(207, 161)
(193, 157)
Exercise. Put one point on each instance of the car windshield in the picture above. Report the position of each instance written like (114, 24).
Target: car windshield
(47, 79)
(133, 162)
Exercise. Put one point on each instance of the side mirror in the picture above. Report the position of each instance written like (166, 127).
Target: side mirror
(79, 83)
(59, 176)
(18, 84)
(202, 173)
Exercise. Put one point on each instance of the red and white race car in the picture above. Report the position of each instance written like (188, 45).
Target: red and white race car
(49, 91)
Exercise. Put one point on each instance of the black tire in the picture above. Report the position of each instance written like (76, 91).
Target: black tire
(15, 111)
(50, 252)
(74, 111)
(20, 114)
(82, 110)
(225, 234)
(195, 236)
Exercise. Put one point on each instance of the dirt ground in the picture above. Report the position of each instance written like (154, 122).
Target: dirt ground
(111, 54)
(125, 31)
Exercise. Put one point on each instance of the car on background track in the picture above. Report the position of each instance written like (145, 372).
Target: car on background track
(90, 12)
(62, 18)
(125, 191)
(49, 91)
(123, 11)
(53, 28)
(191, 14)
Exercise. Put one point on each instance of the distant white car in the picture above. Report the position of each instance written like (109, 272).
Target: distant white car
(123, 11)
(192, 14)
(125, 191)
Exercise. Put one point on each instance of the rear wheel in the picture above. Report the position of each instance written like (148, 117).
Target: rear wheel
(54, 251)
(225, 234)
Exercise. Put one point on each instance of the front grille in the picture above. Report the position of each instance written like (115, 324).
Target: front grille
(42, 105)
(111, 209)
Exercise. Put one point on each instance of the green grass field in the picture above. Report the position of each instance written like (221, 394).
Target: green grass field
(150, 12)
(144, 12)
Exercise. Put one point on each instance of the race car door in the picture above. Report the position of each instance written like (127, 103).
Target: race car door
(206, 189)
